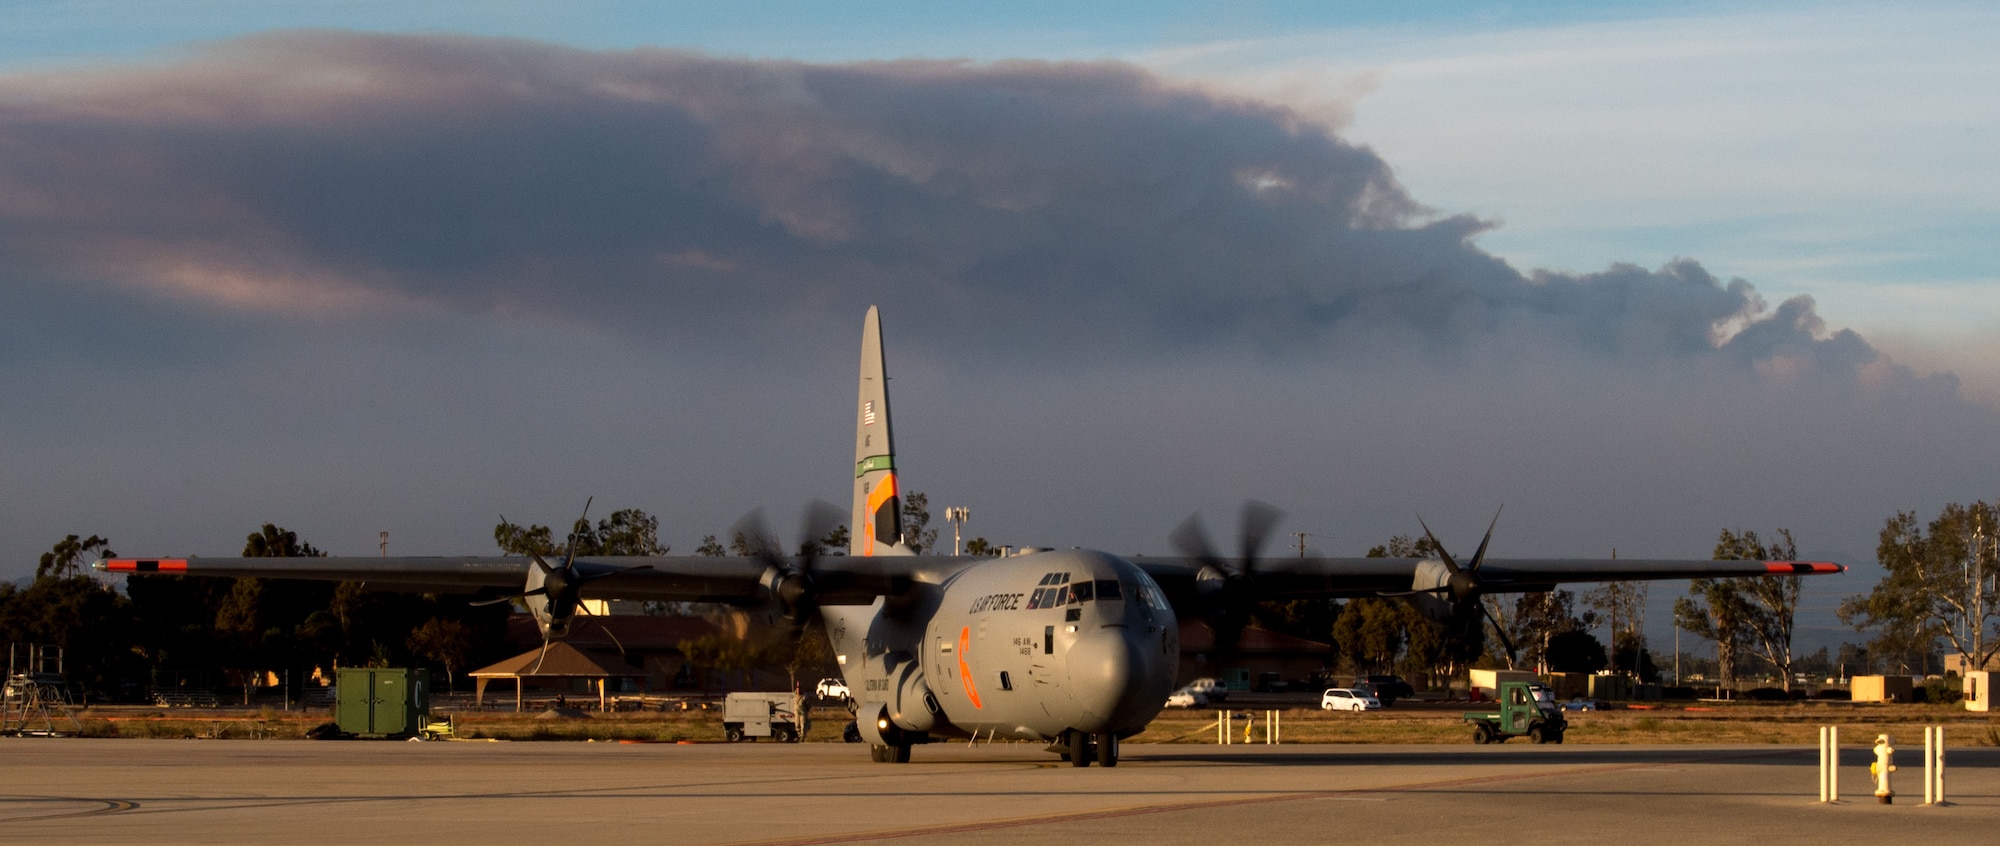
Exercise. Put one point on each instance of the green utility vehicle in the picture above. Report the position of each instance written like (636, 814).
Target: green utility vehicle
(1525, 709)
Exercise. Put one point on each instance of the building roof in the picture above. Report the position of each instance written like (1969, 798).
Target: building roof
(562, 659)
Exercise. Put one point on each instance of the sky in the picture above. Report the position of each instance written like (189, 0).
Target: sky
(1635, 272)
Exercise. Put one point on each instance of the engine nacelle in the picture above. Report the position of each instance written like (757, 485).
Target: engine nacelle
(1431, 591)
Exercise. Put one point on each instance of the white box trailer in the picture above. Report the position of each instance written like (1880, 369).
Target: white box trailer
(1486, 683)
(1978, 690)
(780, 716)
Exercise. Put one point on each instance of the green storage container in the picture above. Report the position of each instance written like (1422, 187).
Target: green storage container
(382, 702)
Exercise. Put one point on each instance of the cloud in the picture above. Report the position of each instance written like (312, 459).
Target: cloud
(320, 174)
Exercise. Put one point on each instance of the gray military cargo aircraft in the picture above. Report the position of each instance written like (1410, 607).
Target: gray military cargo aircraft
(1075, 648)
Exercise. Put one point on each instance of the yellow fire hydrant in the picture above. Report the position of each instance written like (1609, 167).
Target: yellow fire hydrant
(1881, 767)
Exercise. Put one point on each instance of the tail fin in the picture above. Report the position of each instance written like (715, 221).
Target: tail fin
(878, 509)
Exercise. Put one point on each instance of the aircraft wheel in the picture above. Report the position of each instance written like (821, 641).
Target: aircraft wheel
(1107, 750)
(899, 754)
(732, 735)
(1481, 734)
(1079, 749)
(1537, 735)
(878, 754)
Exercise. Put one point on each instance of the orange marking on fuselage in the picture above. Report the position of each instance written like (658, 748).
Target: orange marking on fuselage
(965, 672)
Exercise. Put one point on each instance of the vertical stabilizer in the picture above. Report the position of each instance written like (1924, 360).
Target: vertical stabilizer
(878, 511)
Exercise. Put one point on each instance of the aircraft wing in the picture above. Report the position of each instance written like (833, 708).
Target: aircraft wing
(1303, 578)
(838, 580)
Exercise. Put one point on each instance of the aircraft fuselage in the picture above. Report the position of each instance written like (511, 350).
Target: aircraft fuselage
(1028, 647)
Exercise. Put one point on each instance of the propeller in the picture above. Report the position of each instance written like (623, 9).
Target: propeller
(562, 587)
(1463, 586)
(789, 581)
(1228, 591)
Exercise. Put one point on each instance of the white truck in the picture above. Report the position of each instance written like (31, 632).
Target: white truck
(779, 716)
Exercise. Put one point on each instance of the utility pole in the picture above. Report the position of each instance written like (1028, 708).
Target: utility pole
(957, 516)
(1302, 543)
(1611, 652)
(385, 544)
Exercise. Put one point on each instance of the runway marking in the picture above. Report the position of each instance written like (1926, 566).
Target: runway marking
(1350, 794)
(111, 806)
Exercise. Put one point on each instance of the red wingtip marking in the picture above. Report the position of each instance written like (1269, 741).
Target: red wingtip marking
(1803, 568)
(146, 565)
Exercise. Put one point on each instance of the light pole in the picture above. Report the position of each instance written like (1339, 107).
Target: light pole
(957, 516)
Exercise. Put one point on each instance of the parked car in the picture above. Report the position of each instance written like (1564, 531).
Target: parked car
(830, 689)
(1185, 698)
(1212, 688)
(1348, 699)
(1582, 704)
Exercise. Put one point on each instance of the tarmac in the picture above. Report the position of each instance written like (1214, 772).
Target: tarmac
(64, 790)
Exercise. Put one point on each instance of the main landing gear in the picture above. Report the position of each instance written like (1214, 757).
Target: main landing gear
(899, 754)
(1082, 747)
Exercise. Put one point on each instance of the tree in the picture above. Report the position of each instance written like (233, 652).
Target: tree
(443, 641)
(68, 556)
(916, 516)
(90, 623)
(519, 540)
(1539, 617)
(1773, 602)
(1718, 612)
(1940, 585)
(1621, 602)
(836, 542)
(981, 546)
(1753, 612)
(1575, 651)
(1370, 632)
(258, 621)
(627, 532)
(710, 547)
(273, 542)
(742, 544)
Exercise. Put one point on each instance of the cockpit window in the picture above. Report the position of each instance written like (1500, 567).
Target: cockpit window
(1057, 590)
(1150, 595)
(1080, 592)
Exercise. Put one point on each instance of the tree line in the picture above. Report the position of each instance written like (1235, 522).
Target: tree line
(1937, 598)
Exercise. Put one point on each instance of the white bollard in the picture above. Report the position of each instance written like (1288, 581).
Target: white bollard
(1934, 765)
(1829, 764)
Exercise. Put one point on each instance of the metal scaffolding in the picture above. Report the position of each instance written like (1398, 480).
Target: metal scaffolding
(36, 700)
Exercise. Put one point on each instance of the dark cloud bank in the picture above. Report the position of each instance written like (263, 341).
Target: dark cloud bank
(1167, 298)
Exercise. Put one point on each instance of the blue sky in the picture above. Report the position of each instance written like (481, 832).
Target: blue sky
(263, 324)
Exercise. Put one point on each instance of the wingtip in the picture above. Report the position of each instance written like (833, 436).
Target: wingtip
(1804, 568)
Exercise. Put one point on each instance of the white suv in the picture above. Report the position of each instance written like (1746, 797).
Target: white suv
(832, 689)
(1348, 699)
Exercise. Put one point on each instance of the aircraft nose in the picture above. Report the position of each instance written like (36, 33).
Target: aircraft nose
(1110, 676)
